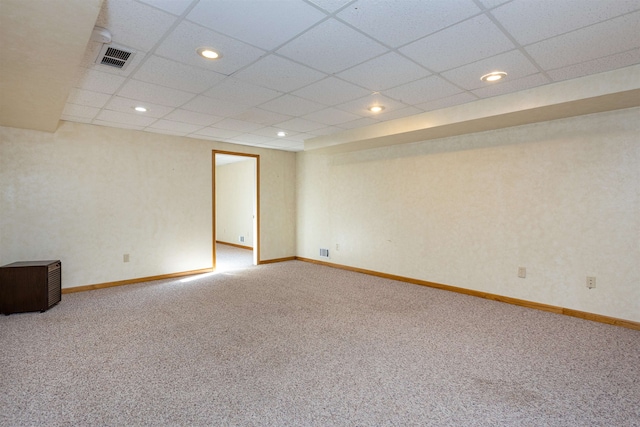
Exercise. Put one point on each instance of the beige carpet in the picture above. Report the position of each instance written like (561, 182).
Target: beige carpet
(296, 344)
(232, 258)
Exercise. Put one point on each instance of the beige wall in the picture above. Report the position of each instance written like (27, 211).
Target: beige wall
(235, 207)
(561, 198)
(89, 194)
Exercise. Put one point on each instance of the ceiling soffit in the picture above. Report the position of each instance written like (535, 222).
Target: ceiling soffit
(608, 91)
(41, 38)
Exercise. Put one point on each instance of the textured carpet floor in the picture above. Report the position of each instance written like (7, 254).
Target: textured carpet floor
(232, 258)
(296, 344)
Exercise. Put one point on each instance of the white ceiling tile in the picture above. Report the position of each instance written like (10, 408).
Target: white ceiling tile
(134, 24)
(514, 63)
(461, 44)
(176, 7)
(217, 133)
(272, 132)
(299, 137)
(300, 125)
(609, 37)
(331, 116)
(87, 98)
(523, 18)
(175, 75)
(266, 24)
(292, 105)
(509, 86)
(97, 81)
(330, 5)
(117, 125)
(179, 127)
(331, 91)
(248, 138)
(361, 106)
(600, 65)
(279, 74)
(364, 121)
(490, 4)
(232, 89)
(267, 92)
(401, 22)
(383, 72)
(423, 90)
(182, 42)
(191, 117)
(247, 144)
(238, 125)
(206, 105)
(326, 131)
(397, 113)
(81, 111)
(202, 137)
(258, 115)
(155, 94)
(124, 118)
(332, 47)
(460, 98)
(126, 105)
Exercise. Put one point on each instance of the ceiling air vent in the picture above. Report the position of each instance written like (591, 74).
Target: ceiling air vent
(116, 57)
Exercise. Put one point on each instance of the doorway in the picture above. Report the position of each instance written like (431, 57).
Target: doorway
(236, 203)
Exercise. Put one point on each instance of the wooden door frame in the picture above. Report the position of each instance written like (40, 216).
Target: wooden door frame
(256, 243)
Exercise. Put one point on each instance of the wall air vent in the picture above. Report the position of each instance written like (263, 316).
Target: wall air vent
(324, 253)
(115, 56)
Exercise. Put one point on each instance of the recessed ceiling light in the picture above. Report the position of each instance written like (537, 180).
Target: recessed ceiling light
(208, 53)
(494, 76)
(140, 109)
(376, 108)
(282, 133)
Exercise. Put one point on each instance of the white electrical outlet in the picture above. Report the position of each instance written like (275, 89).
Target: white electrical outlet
(337, 247)
(591, 282)
(522, 272)
(125, 258)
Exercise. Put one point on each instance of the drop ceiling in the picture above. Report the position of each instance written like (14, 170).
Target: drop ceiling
(312, 68)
